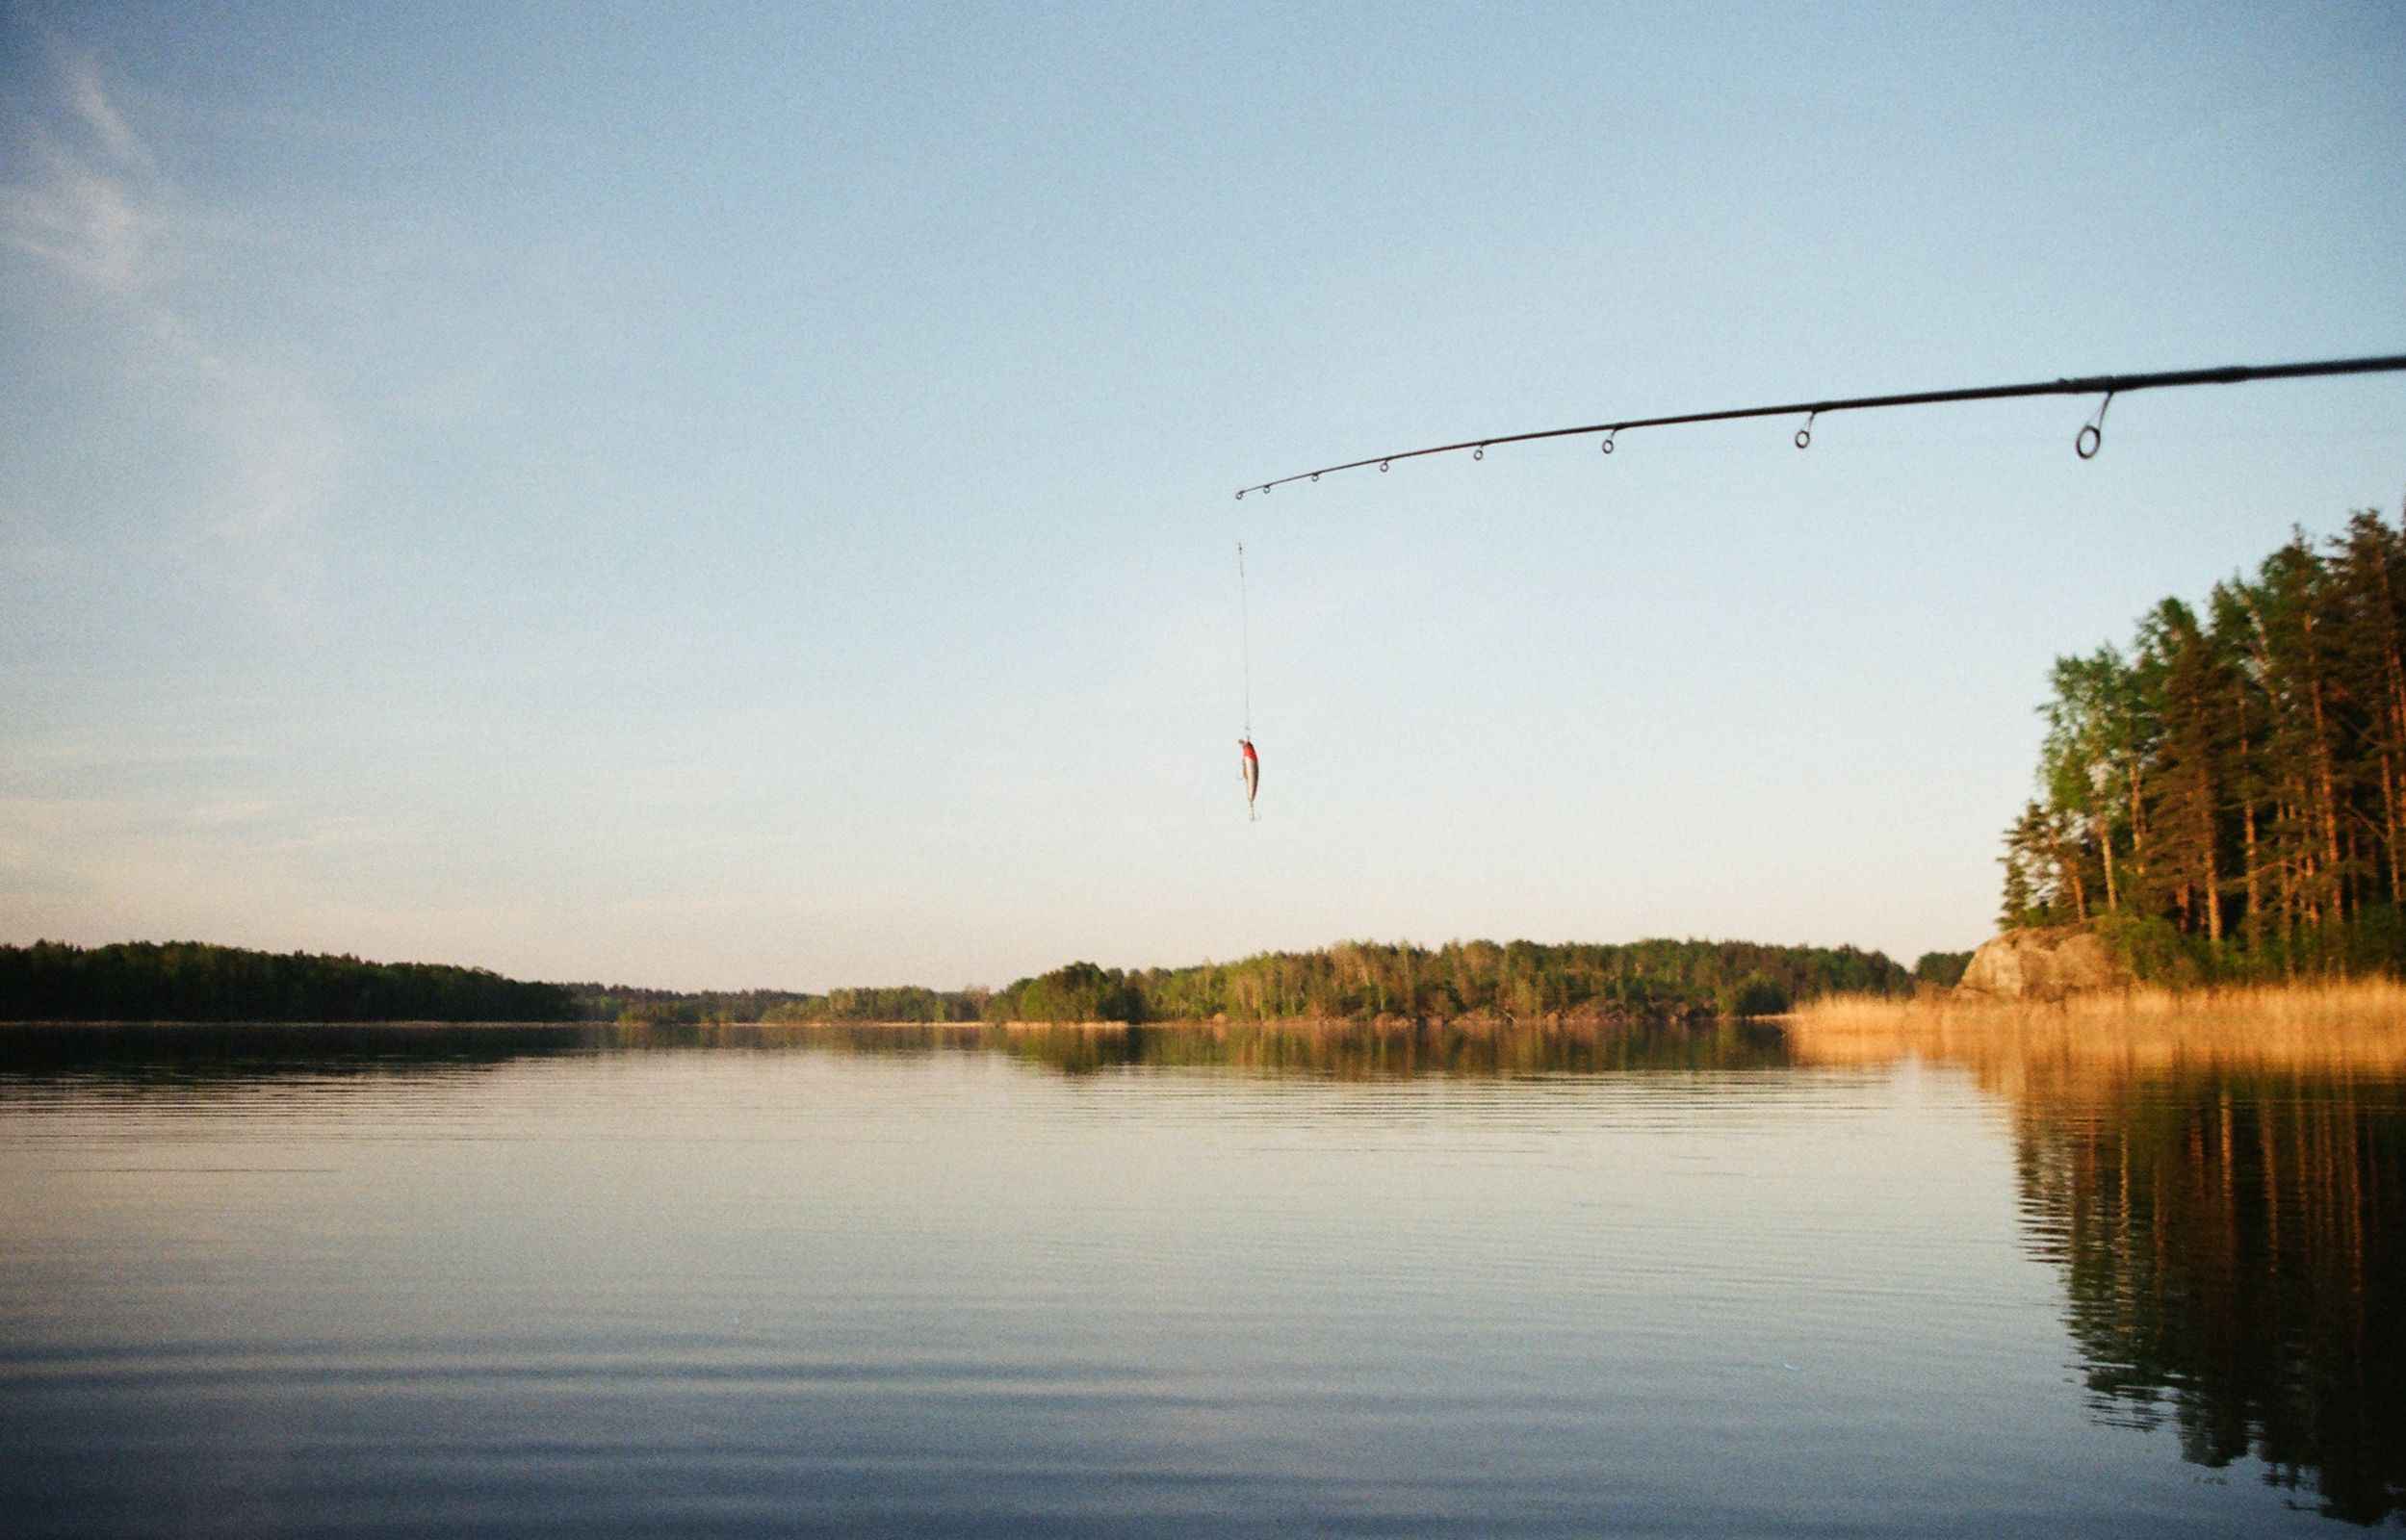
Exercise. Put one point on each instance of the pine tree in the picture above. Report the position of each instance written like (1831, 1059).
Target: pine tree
(2241, 777)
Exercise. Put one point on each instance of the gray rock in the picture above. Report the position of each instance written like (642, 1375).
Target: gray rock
(2042, 964)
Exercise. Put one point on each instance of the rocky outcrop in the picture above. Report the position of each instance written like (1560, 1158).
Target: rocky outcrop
(2042, 964)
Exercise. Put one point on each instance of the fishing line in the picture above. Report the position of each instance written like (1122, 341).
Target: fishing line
(1246, 621)
(2085, 444)
(1248, 762)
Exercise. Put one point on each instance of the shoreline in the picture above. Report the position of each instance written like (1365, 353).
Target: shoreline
(2271, 1010)
(1474, 1022)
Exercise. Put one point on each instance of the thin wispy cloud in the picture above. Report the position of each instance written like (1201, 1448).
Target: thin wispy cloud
(92, 104)
(79, 196)
(79, 219)
(89, 204)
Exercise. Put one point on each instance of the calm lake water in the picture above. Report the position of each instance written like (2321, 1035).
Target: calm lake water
(267, 1281)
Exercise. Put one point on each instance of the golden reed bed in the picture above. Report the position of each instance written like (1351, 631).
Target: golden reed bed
(2356, 1025)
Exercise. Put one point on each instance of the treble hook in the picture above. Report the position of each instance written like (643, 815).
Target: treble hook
(2089, 440)
(1804, 434)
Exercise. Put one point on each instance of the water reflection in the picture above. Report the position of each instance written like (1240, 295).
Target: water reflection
(2229, 1248)
(1338, 1050)
(1400, 1050)
(2231, 1225)
(1349, 1051)
(185, 1052)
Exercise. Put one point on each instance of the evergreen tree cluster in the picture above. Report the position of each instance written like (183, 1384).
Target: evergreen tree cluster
(1522, 980)
(192, 980)
(2227, 798)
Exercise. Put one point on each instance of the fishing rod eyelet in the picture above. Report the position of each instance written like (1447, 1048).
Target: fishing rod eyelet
(1240, 494)
(1804, 438)
(1382, 465)
(1607, 444)
(1479, 453)
(2091, 439)
(1315, 475)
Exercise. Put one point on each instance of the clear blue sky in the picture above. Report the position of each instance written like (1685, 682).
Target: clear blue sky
(722, 496)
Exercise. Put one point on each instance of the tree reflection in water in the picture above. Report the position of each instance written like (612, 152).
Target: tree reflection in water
(2231, 1247)
(2232, 1231)
(1398, 1050)
(1340, 1050)
(2231, 1222)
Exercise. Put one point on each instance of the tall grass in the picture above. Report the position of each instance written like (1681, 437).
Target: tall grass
(2358, 1024)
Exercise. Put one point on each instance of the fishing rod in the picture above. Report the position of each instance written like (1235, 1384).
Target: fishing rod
(2085, 444)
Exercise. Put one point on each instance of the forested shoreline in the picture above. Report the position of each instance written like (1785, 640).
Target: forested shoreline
(1523, 981)
(2226, 800)
(193, 981)
(1519, 979)
(1352, 981)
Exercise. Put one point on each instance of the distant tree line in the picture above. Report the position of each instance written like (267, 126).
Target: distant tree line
(192, 980)
(619, 1002)
(1521, 979)
(2226, 798)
